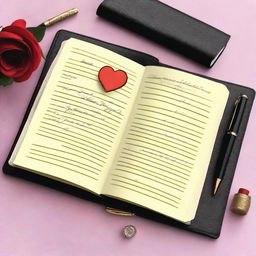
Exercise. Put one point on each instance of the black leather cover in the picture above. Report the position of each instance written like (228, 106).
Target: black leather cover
(209, 216)
(167, 26)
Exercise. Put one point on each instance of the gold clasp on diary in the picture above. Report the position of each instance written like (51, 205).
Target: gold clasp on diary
(118, 212)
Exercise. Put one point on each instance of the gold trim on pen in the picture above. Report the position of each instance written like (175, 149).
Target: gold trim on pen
(232, 133)
(218, 181)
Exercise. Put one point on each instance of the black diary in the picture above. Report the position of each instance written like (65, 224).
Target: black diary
(210, 211)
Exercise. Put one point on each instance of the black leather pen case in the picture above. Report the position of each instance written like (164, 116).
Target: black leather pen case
(167, 26)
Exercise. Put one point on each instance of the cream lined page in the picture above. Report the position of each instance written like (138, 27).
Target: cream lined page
(165, 153)
(76, 127)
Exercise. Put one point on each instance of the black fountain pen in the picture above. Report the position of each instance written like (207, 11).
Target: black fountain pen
(229, 139)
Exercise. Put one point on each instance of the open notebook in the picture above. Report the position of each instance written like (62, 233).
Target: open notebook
(136, 131)
(148, 143)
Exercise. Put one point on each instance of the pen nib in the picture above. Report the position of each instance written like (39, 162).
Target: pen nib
(216, 185)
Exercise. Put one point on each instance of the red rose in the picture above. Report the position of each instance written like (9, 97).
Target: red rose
(20, 53)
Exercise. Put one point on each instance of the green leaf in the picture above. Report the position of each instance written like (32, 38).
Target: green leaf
(38, 32)
(5, 80)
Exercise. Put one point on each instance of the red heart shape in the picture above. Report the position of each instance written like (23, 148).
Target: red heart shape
(111, 79)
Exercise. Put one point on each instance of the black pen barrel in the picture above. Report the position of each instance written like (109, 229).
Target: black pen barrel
(226, 149)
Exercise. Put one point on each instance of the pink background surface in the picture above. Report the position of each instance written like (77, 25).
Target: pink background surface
(35, 220)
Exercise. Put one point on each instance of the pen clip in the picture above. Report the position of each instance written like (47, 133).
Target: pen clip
(234, 114)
